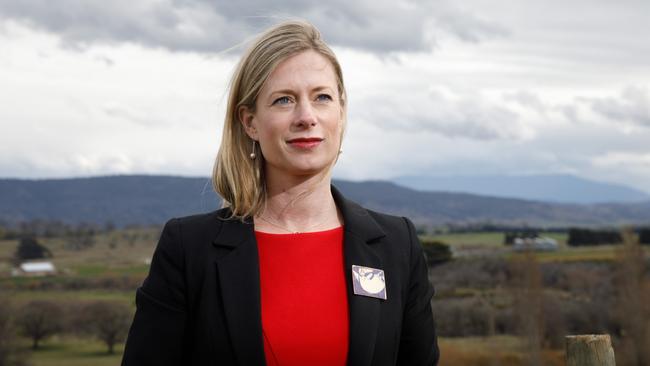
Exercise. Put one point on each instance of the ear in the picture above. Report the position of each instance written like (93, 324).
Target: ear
(247, 119)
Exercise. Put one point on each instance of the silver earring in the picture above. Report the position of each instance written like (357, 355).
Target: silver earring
(340, 151)
(252, 155)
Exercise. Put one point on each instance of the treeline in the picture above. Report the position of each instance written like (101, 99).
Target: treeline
(460, 228)
(51, 229)
(38, 320)
(581, 236)
(58, 229)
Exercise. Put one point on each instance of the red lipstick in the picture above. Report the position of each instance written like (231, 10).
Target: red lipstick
(305, 142)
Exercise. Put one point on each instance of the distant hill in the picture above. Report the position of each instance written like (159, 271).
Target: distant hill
(547, 188)
(123, 200)
(138, 199)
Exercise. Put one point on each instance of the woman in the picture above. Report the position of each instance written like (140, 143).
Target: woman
(289, 272)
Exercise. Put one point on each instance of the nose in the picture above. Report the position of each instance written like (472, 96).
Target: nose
(305, 114)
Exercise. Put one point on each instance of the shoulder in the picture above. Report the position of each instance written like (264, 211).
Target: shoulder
(390, 222)
(370, 221)
(200, 221)
(399, 231)
(393, 226)
(198, 228)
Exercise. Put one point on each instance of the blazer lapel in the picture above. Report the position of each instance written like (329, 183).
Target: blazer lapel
(361, 231)
(240, 290)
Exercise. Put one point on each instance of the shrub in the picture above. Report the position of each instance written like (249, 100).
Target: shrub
(436, 252)
(461, 317)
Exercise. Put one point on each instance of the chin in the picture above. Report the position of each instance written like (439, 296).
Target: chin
(305, 171)
(302, 167)
(308, 169)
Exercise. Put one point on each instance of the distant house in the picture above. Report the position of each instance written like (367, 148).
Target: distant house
(537, 244)
(34, 269)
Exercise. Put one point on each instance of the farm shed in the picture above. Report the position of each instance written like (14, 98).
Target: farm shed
(35, 269)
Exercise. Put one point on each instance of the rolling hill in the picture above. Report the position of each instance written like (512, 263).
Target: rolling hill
(140, 199)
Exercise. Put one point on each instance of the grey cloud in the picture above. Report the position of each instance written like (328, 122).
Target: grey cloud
(105, 60)
(215, 26)
(469, 27)
(470, 118)
(527, 99)
(117, 111)
(158, 24)
(570, 112)
(632, 105)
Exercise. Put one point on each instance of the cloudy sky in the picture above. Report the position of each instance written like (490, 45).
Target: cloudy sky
(436, 87)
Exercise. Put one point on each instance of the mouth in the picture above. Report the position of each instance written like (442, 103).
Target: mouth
(305, 142)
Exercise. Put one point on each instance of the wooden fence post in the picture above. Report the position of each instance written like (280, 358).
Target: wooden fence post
(589, 350)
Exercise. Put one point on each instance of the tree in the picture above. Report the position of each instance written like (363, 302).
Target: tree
(29, 248)
(10, 352)
(108, 321)
(578, 237)
(644, 235)
(633, 301)
(528, 293)
(40, 319)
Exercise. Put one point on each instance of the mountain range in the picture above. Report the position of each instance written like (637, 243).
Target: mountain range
(561, 188)
(142, 199)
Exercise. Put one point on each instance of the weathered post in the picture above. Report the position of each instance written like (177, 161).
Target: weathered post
(589, 350)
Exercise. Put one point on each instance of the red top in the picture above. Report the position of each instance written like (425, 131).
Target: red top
(304, 298)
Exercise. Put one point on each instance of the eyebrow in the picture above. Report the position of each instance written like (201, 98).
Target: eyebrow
(291, 91)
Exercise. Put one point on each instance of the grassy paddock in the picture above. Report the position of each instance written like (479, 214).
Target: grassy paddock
(468, 239)
(74, 351)
(487, 351)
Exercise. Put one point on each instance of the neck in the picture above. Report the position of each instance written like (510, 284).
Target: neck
(298, 204)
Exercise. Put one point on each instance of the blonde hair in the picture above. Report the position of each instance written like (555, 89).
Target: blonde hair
(237, 178)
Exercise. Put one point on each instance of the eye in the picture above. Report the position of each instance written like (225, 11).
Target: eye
(282, 101)
(324, 98)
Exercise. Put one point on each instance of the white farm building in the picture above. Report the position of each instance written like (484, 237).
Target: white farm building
(35, 269)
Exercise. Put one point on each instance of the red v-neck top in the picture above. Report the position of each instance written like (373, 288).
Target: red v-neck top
(304, 299)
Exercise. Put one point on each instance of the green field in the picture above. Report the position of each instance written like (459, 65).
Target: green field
(72, 351)
(483, 239)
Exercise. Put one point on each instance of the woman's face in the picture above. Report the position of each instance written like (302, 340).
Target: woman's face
(298, 117)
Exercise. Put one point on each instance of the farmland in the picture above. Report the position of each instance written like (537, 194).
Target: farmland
(476, 287)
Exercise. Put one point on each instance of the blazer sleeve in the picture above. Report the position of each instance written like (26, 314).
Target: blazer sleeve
(418, 342)
(156, 334)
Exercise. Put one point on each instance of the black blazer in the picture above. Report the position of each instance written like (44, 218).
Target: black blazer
(200, 304)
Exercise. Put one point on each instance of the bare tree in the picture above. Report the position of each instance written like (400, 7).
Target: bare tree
(633, 301)
(528, 295)
(40, 319)
(10, 353)
(108, 321)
